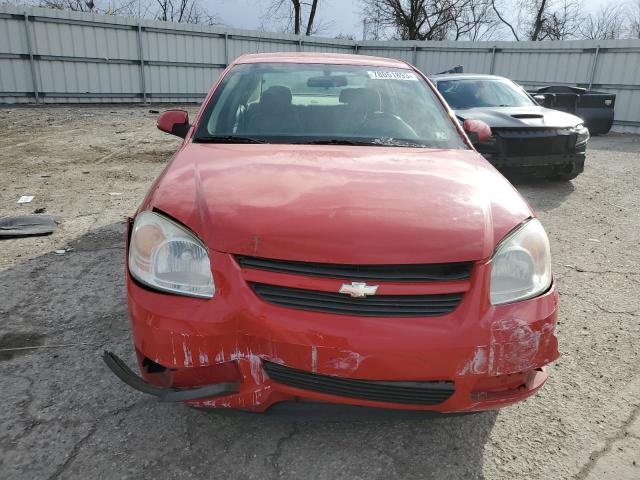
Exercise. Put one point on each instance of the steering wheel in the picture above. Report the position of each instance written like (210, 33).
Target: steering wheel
(394, 124)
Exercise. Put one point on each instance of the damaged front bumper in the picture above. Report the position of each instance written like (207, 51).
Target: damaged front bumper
(539, 166)
(165, 394)
(253, 354)
(536, 151)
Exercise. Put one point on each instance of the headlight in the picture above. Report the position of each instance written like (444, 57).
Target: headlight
(166, 256)
(521, 265)
(582, 134)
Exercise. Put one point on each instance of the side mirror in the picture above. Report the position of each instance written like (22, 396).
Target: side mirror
(175, 122)
(545, 100)
(477, 131)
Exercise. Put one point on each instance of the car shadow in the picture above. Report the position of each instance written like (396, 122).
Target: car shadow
(398, 444)
(70, 416)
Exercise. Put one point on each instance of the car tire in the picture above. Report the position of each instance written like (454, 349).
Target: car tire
(567, 172)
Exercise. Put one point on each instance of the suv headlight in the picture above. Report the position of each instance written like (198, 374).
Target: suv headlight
(521, 265)
(582, 133)
(166, 256)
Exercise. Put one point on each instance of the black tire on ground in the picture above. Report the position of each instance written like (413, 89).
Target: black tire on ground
(567, 172)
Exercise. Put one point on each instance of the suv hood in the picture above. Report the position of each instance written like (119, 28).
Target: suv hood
(519, 117)
(340, 204)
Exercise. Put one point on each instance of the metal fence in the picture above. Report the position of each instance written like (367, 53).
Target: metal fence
(52, 56)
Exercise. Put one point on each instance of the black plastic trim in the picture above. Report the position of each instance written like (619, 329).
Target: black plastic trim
(411, 393)
(372, 306)
(441, 272)
(124, 373)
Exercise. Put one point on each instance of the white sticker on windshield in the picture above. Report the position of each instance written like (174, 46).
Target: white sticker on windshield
(393, 76)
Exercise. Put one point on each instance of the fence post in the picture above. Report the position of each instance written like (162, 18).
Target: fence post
(32, 62)
(493, 60)
(143, 83)
(226, 49)
(592, 76)
(415, 56)
(299, 44)
(355, 48)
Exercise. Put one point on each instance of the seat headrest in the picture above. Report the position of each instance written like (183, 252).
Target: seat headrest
(366, 99)
(347, 94)
(465, 93)
(276, 97)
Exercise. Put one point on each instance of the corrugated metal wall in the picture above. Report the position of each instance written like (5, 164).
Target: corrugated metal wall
(52, 56)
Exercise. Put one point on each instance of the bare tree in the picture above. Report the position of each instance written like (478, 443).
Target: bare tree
(295, 14)
(633, 18)
(475, 20)
(430, 19)
(125, 7)
(182, 11)
(540, 19)
(608, 23)
(504, 20)
(562, 22)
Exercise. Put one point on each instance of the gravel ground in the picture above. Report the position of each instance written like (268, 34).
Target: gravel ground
(64, 416)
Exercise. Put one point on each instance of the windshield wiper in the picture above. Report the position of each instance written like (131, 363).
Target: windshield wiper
(375, 142)
(335, 141)
(394, 142)
(227, 139)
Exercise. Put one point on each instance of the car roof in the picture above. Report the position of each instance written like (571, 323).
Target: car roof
(322, 58)
(465, 76)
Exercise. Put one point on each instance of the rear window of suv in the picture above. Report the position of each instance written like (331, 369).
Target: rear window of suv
(318, 103)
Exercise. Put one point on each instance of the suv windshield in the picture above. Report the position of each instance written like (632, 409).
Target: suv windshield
(334, 104)
(482, 92)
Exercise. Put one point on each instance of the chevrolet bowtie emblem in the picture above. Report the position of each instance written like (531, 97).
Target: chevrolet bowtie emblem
(358, 290)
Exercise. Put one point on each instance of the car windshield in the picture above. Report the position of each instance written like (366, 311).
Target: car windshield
(333, 104)
(474, 92)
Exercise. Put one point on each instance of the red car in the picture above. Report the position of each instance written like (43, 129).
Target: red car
(326, 232)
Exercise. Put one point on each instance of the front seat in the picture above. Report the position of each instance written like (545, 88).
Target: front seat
(274, 114)
(361, 103)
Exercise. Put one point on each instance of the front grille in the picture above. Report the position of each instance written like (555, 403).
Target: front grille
(372, 306)
(533, 142)
(441, 272)
(413, 393)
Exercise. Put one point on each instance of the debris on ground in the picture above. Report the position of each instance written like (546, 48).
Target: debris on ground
(27, 225)
(25, 199)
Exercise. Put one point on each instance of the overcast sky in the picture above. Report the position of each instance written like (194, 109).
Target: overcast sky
(337, 16)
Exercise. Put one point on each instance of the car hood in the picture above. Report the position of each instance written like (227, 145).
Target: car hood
(519, 117)
(340, 204)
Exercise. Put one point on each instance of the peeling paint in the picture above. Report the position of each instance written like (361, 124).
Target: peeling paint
(314, 358)
(478, 363)
(255, 363)
(256, 369)
(513, 347)
(349, 363)
(203, 358)
(219, 357)
(173, 349)
(188, 358)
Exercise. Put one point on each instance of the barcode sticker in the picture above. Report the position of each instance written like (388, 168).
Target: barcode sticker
(387, 75)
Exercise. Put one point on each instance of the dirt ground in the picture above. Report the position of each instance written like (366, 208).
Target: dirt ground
(63, 415)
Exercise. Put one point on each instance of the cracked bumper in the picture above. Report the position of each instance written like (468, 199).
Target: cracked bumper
(495, 355)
